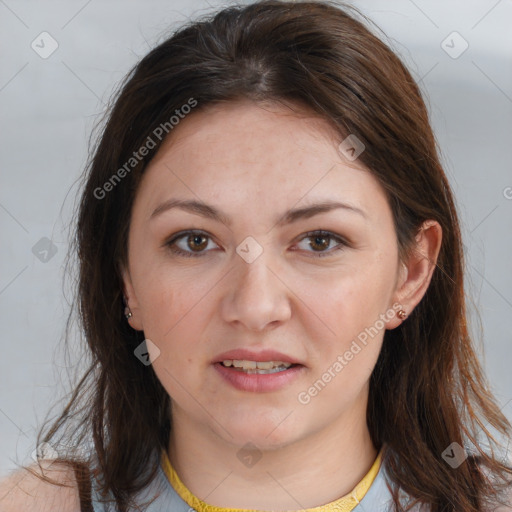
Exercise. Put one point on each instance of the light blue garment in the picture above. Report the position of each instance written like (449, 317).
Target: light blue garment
(377, 498)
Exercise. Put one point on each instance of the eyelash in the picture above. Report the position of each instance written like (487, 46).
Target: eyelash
(171, 244)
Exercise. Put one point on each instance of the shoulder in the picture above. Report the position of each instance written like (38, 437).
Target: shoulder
(22, 491)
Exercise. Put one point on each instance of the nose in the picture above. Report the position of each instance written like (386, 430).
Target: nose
(256, 296)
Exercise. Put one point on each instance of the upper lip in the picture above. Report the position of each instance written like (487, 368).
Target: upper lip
(261, 356)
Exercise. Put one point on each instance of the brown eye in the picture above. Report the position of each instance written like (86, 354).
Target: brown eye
(197, 242)
(191, 243)
(319, 243)
(322, 243)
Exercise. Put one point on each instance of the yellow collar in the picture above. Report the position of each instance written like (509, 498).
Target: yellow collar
(344, 504)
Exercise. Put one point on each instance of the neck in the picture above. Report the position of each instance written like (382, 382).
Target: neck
(307, 473)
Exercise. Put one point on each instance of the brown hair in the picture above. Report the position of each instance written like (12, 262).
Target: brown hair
(427, 389)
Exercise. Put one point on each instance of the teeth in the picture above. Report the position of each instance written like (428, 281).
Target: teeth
(253, 365)
(246, 365)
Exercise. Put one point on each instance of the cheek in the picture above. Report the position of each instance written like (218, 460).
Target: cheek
(353, 296)
(175, 317)
(346, 307)
(171, 299)
(345, 351)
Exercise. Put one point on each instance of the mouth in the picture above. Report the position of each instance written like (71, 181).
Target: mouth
(258, 371)
(257, 367)
(258, 376)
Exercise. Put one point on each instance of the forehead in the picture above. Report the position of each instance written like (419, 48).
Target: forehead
(249, 154)
(269, 133)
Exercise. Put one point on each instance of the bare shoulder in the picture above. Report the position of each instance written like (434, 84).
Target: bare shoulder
(21, 491)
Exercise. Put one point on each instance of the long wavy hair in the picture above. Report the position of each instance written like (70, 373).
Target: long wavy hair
(427, 389)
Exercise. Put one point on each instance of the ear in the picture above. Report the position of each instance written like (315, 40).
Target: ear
(135, 320)
(416, 273)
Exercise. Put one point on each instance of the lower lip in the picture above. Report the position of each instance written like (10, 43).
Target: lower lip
(258, 382)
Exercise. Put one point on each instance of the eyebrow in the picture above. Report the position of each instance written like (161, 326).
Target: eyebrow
(293, 215)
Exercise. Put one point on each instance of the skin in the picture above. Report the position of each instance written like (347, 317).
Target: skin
(254, 162)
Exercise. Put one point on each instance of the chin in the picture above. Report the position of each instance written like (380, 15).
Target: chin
(266, 435)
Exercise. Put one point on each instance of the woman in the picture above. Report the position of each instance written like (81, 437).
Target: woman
(271, 287)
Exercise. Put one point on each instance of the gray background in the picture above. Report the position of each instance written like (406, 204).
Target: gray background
(49, 106)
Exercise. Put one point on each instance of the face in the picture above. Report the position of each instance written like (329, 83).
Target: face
(261, 271)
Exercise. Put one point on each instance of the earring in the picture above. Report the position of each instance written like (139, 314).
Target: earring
(127, 312)
(401, 314)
